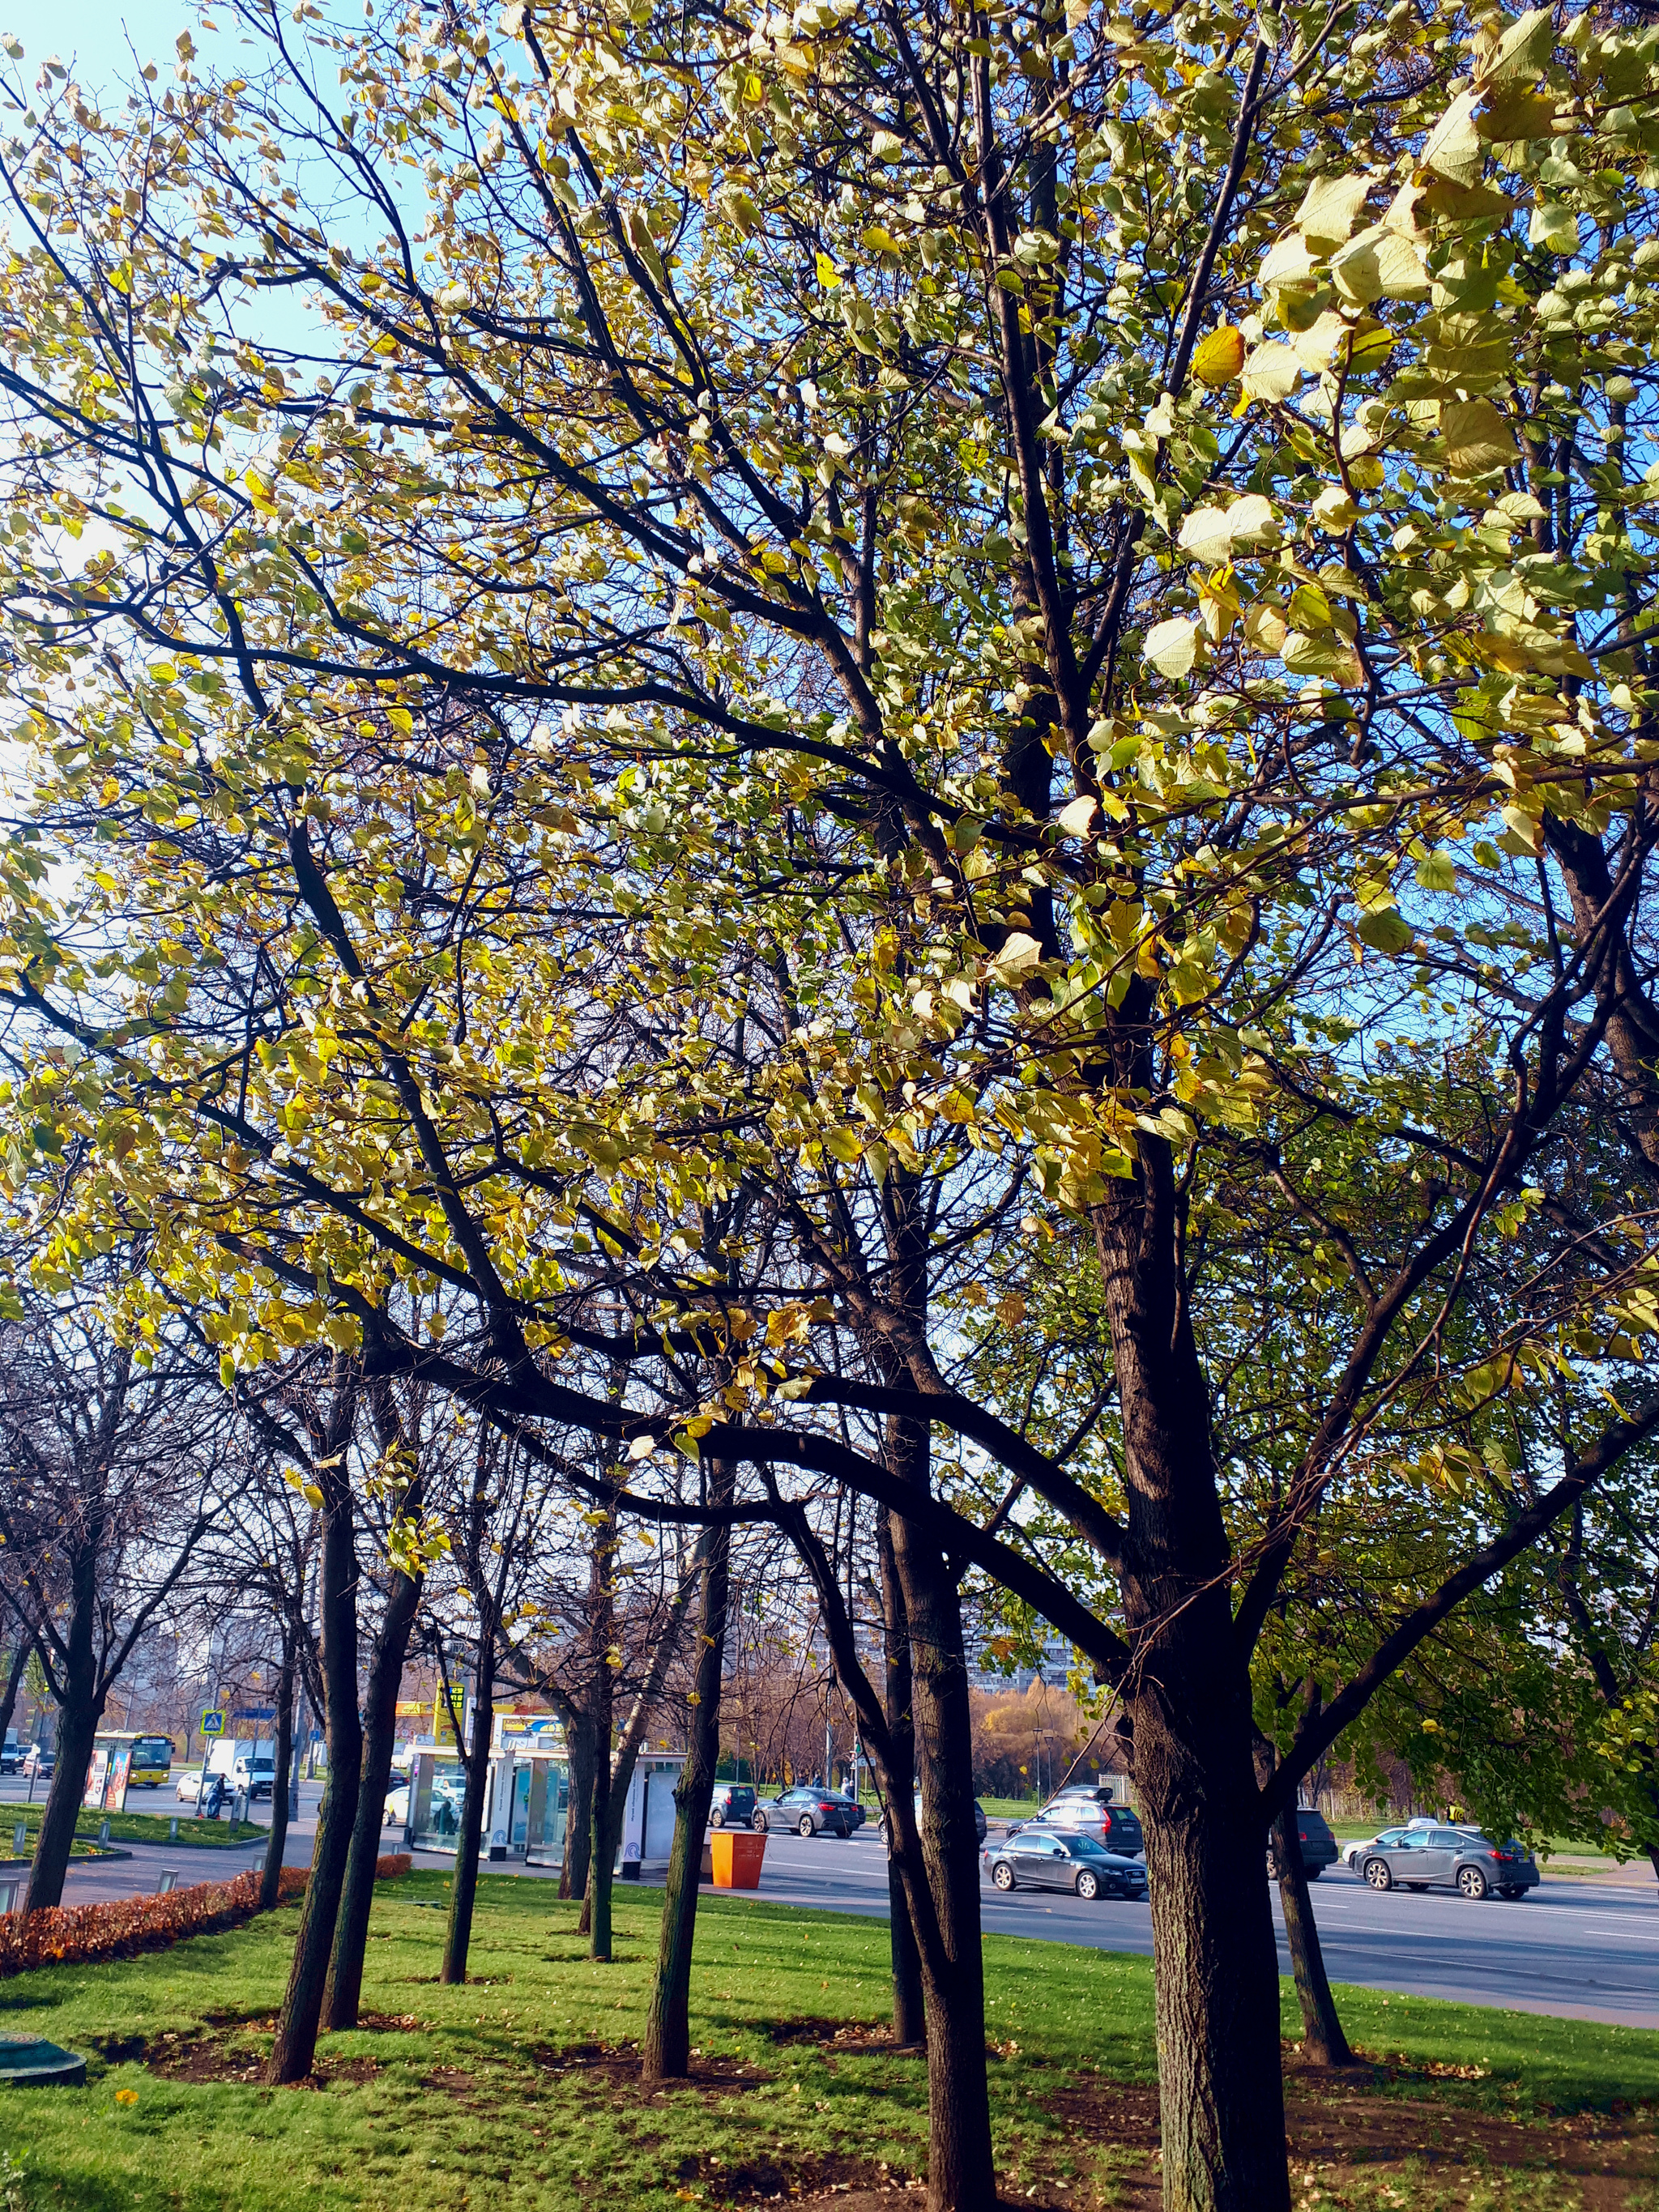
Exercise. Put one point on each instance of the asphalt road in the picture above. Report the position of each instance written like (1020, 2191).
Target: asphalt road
(1569, 1948)
(1573, 1948)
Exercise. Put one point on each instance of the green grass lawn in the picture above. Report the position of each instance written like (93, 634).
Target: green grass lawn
(128, 1828)
(519, 2089)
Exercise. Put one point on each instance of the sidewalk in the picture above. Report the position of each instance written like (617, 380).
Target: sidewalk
(1568, 1866)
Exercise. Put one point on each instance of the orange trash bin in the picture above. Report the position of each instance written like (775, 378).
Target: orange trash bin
(736, 1855)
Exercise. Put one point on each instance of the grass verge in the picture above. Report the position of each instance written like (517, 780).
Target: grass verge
(520, 2091)
(131, 1828)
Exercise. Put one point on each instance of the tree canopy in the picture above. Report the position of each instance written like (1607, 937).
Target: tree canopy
(684, 672)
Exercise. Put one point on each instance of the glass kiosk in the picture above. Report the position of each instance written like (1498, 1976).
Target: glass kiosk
(526, 1805)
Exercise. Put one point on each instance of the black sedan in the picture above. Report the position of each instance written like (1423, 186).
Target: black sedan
(1044, 1859)
(808, 1811)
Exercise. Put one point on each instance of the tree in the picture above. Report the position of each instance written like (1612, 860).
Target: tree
(666, 2053)
(1000, 727)
(398, 1487)
(491, 1517)
(328, 1414)
(113, 1474)
(604, 1620)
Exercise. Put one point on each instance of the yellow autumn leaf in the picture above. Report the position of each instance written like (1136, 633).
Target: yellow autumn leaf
(1218, 359)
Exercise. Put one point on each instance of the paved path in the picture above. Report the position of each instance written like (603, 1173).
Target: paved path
(1572, 1947)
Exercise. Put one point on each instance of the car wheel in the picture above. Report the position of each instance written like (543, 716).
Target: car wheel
(717, 1819)
(1002, 1875)
(804, 1826)
(1514, 1896)
(1472, 1883)
(1088, 1883)
(759, 1824)
(1313, 1872)
(1377, 1873)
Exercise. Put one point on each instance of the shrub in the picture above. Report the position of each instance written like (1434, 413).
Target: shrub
(79, 1934)
(391, 1864)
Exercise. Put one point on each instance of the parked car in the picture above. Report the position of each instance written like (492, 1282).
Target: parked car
(1037, 1856)
(191, 1790)
(1448, 1858)
(1093, 1811)
(734, 1806)
(979, 1819)
(809, 1811)
(38, 1761)
(1354, 1853)
(396, 1814)
(1319, 1848)
(11, 1756)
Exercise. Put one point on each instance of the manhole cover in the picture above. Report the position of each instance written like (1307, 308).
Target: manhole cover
(29, 2061)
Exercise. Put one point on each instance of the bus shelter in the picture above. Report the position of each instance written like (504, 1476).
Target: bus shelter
(527, 1802)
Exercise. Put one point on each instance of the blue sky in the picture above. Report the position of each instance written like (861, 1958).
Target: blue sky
(98, 38)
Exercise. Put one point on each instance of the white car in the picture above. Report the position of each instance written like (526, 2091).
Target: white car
(1353, 1853)
(189, 1785)
(396, 1814)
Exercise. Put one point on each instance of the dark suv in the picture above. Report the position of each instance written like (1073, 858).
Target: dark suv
(808, 1811)
(1096, 1813)
(734, 1806)
(1319, 1846)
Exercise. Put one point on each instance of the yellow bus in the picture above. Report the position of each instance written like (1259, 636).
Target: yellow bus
(150, 1758)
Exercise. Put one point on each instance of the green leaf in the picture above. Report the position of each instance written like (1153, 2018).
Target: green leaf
(1172, 647)
(1385, 930)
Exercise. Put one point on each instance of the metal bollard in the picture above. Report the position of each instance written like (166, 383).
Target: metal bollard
(103, 1832)
(173, 1829)
(166, 1880)
(20, 1840)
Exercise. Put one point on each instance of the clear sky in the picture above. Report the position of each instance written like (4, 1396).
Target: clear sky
(99, 39)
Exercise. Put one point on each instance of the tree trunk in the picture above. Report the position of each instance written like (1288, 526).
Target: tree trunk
(345, 1973)
(280, 1771)
(1216, 1971)
(1324, 2040)
(464, 1890)
(295, 2044)
(578, 1822)
(961, 2169)
(78, 1724)
(81, 1705)
(667, 2052)
(20, 1660)
(909, 2017)
(595, 1920)
(602, 1848)
(909, 2011)
(1221, 2098)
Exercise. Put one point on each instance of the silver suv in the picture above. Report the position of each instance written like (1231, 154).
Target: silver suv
(1448, 1858)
